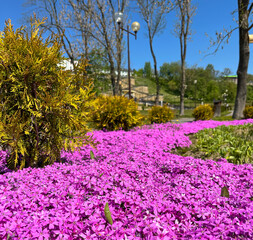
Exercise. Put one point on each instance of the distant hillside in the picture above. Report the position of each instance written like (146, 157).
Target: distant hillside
(168, 97)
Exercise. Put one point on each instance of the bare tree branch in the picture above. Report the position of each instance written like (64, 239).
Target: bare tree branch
(220, 40)
(250, 8)
(93, 24)
(186, 10)
(154, 14)
(250, 27)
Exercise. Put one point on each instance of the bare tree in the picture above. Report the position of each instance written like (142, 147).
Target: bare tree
(91, 23)
(81, 25)
(186, 10)
(244, 10)
(52, 9)
(154, 14)
(103, 30)
(244, 17)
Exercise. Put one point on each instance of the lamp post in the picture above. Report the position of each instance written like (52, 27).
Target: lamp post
(225, 98)
(195, 83)
(135, 27)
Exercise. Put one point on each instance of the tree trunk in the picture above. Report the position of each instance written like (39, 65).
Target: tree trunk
(85, 41)
(113, 82)
(183, 45)
(119, 60)
(115, 88)
(118, 82)
(242, 70)
(156, 73)
(157, 84)
(183, 87)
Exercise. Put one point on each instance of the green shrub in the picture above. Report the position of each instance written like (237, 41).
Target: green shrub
(248, 112)
(114, 113)
(42, 109)
(203, 112)
(158, 114)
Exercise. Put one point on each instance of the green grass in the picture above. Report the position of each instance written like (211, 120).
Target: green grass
(145, 114)
(188, 114)
(168, 97)
(139, 81)
(234, 143)
(223, 118)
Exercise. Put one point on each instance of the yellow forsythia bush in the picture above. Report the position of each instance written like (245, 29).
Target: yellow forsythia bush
(158, 114)
(114, 113)
(203, 112)
(248, 112)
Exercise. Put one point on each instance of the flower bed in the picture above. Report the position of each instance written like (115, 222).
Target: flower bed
(152, 194)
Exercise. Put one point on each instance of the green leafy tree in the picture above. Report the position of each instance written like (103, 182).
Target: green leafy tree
(170, 76)
(211, 71)
(250, 88)
(174, 71)
(197, 90)
(97, 70)
(250, 78)
(147, 70)
(165, 71)
(139, 73)
(213, 91)
(42, 107)
(226, 72)
(250, 94)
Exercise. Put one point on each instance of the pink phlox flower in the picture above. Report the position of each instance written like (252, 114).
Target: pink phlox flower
(39, 233)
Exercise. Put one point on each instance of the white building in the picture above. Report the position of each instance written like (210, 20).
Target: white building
(67, 64)
(123, 73)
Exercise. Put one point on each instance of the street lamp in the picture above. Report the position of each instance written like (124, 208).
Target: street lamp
(250, 38)
(195, 83)
(225, 98)
(135, 27)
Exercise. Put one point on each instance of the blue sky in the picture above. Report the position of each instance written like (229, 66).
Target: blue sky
(211, 15)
